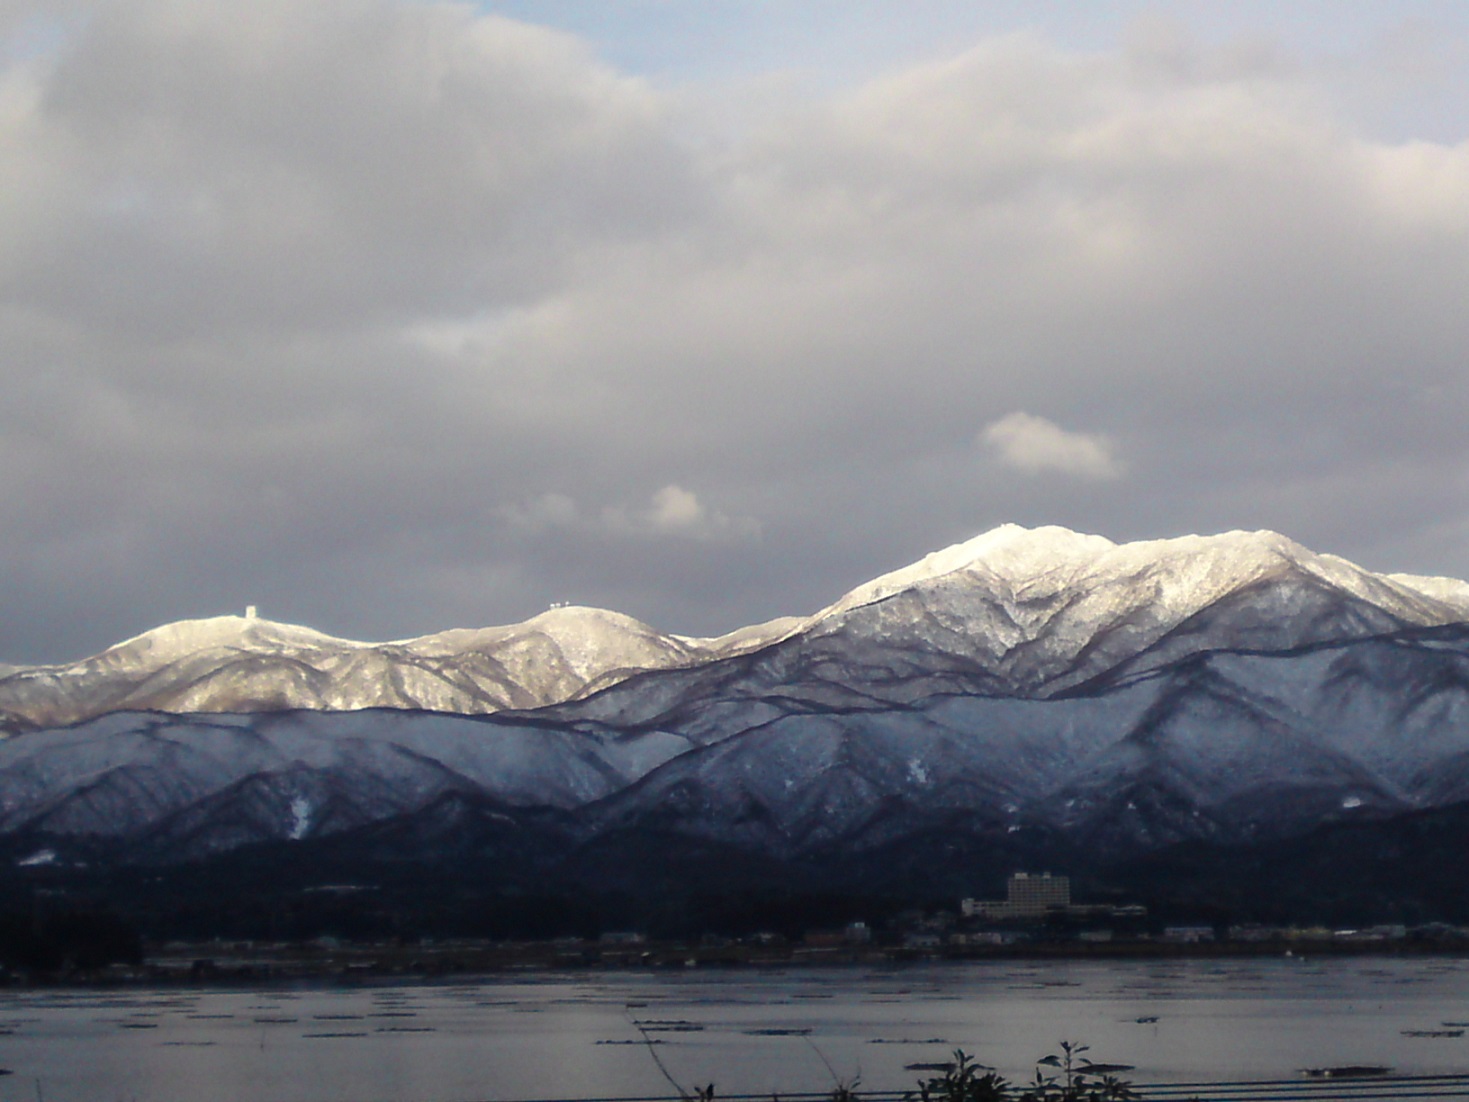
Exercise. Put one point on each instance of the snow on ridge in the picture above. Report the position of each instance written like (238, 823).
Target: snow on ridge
(1045, 608)
(1010, 550)
(1186, 573)
(562, 623)
(1452, 591)
(594, 640)
(1026, 602)
(1021, 558)
(233, 663)
(746, 639)
(1188, 569)
(182, 638)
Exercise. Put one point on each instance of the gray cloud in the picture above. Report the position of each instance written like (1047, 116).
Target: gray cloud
(388, 316)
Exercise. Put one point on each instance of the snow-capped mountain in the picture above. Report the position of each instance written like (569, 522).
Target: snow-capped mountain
(1015, 612)
(1049, 610)
(1036, 689)
(246, 664)
(1037, 615)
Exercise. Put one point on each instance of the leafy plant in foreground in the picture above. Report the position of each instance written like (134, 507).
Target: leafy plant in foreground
(964, 1081)
(968, 1081)
(1077, 1081)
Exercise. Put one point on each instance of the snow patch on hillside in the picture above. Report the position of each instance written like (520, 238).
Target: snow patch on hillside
(300, 818)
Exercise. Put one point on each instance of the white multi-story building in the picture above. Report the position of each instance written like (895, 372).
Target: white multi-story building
(1027, 896)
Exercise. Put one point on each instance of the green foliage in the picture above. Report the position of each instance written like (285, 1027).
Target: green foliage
(965, 1081)
(1076, 1082)
(1072, 1081)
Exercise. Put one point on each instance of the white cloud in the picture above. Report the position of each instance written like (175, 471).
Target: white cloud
(1035, 445)
(671, 511)
(676, 509)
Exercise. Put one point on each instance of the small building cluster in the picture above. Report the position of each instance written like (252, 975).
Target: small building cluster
(1030, 897)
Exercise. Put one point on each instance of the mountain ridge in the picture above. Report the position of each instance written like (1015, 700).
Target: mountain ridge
(1034, 693)
(1023, 611)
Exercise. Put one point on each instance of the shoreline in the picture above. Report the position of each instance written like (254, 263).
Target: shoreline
(232, 963)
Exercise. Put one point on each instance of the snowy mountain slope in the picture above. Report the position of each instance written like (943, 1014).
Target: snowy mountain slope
(1214, 759)
(1035, 614)
(1012, 612)
(244, 664)
(1450, 591)
(1397, 705)
(1025, 683)
(1048, 610)
(1227, 746)
(805, 781)
(294, 774)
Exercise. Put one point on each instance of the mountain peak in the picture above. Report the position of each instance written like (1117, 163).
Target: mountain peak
(1019, 554)
(1014, 550)
(181, 638)
(1010, 550)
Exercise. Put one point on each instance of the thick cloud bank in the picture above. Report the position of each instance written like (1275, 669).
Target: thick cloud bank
(394, 316)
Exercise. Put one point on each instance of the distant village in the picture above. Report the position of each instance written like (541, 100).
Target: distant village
(1038, 910)
(1037, 918)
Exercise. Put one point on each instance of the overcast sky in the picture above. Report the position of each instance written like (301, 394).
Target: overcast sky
(390, 316)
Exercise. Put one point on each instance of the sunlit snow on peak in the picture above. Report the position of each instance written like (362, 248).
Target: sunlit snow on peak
(1451, 591)
(185, 637)
(1010, 550)
(1013, 610)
